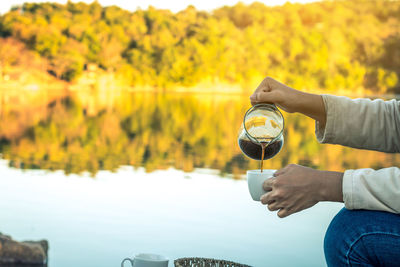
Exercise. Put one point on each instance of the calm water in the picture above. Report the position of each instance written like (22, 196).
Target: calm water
(98, 222)
(105, 175)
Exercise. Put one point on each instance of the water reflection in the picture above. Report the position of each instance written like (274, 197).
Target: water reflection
(102, 130)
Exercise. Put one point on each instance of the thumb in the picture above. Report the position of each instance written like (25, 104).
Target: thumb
(263, 97)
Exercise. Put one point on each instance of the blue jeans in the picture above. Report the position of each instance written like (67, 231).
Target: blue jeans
(363, 238)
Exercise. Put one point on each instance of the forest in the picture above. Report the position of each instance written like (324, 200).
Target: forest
(350, 47)
(330, 45)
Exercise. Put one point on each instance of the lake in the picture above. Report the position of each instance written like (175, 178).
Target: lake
(106, 175)
(98, 222)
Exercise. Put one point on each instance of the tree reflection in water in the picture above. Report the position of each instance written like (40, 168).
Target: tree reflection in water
(91, 131)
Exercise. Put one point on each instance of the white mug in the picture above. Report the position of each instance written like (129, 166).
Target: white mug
(147, 260)
(255, 180)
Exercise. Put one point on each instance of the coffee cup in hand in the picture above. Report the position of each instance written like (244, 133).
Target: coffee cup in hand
(255, 180)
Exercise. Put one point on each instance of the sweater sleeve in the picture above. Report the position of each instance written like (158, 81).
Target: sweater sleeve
(366, 124)
(361, 123)
(372, 190)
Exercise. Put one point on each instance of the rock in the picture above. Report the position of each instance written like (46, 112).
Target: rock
(27, 253)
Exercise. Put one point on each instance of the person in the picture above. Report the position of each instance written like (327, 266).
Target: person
(367, 231)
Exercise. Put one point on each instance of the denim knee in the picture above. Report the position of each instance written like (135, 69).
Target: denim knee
(363, 238)
(335, 239)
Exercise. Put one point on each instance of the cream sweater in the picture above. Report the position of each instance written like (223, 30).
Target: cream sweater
(366, 124)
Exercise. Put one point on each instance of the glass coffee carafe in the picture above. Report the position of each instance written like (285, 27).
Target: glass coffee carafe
(261, 133)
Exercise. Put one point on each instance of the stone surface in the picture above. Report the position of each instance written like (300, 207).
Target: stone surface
(27, 253)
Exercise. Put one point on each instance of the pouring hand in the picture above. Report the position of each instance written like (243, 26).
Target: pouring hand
(289, 99)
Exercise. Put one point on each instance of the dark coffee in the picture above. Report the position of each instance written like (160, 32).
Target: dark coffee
(254, 151)
(263, 146)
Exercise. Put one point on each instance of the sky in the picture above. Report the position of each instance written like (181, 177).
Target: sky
(174, 5)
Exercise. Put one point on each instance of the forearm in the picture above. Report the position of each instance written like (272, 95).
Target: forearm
(331, 186)
(312, 105)
(361, 123)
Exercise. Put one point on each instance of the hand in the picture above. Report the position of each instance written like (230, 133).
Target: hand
(289, 99)
(295, 188)
(272, 91)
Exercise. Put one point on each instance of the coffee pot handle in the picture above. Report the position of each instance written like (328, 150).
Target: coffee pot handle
(126, 259)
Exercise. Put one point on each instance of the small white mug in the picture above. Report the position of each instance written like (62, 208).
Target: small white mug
(255, 180)
(147, 260)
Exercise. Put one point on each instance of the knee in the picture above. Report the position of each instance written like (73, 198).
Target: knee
(352, 235)
(336, 239)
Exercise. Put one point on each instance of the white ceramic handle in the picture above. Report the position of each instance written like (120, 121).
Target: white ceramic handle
(126, 259)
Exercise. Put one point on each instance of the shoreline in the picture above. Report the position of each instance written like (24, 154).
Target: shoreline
(226, 89)
(94, 80)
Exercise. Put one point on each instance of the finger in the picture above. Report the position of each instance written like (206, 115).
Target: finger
(261, 88)
(263, 97)
(280, 171)
(264, 85)
(274, 206)
(253, 101)
(255, 97)
(267, 198)
(282, 213)
(267, 185)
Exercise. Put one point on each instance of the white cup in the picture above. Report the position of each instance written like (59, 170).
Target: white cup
(255, 180)
(147, 260)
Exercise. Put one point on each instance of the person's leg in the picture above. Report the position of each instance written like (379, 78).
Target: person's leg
(363, 238)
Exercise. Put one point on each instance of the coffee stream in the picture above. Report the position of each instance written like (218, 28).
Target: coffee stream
(263, 147)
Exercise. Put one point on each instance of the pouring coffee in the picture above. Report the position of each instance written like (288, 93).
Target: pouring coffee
(261, 133)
